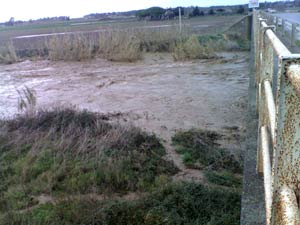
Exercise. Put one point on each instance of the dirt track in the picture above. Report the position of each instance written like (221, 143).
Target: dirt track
(157, 94)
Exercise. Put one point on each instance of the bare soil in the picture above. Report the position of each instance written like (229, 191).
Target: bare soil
(156, 94)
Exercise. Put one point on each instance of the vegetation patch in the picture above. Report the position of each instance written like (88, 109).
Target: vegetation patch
(74, 47)
(171, 203)
(200, 150)
(225, 42)
(206, 46)
(76, 167)
(8, 54)
(224, 178)
(128, 45)
(191, 48)
(119, 45)
(63, 152)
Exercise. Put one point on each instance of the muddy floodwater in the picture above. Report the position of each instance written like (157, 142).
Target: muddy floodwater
(157, 94)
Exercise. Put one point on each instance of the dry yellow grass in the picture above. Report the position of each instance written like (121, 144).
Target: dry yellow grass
(128, 45)
(120, 45)
(192, 49)
(70, 47)
(8, 54)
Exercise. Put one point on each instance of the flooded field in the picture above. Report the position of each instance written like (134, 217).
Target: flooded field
(157, 94)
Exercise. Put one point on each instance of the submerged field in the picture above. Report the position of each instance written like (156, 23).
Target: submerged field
(157, 140)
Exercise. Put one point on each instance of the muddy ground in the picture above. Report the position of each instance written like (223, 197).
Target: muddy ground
(156, 94)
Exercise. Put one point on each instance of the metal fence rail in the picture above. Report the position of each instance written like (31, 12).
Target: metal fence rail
(288, 31)
(278, 106)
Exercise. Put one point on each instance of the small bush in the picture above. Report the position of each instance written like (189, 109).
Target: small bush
(121, 46)
(8, 54)
(200, 150)
(192, 49)
(224, 178)
(159, 39)
(221, 42)
(75, 47)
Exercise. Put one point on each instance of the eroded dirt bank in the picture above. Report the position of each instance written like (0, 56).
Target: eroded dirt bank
(157, 94)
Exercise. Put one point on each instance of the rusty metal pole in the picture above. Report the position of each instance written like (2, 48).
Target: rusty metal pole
(286, 211)
(282, 186)
(267, 173)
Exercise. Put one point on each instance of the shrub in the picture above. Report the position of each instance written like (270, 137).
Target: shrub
(200, 150)
(120, 46)
(159, 39)
(192, 49)
(70, 47)
(8, 54)
(224, 178)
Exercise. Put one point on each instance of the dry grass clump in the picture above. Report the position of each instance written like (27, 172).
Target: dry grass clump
(159, 39)
(224, 43)
(120, 45)
(8, 54)
(70, 47)
(192, 49)
(27, 99)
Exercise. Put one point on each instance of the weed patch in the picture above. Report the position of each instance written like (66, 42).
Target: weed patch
(224, 178)
(65, 151)
(70, 155)
(123, 46)
(174, 203)
(192, 49)
(200, 150)
(76, 47)
(8, 54)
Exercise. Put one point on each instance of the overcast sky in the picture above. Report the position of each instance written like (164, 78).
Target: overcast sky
(33, 9)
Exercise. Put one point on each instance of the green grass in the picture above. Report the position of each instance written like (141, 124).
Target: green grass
(200, 150)
(172, 203)
(64, 151)
(224, 178)
(225, 42)
(72, 156)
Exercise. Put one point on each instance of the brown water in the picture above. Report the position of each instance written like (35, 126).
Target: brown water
(157, 94)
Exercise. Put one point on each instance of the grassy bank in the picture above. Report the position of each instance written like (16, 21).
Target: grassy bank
(76, 167)
(200, 150)
(172, 203)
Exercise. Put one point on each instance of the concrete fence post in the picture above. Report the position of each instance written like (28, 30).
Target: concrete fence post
(293, 34)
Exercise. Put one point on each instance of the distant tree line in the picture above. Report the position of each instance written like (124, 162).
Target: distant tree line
(158, 13)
